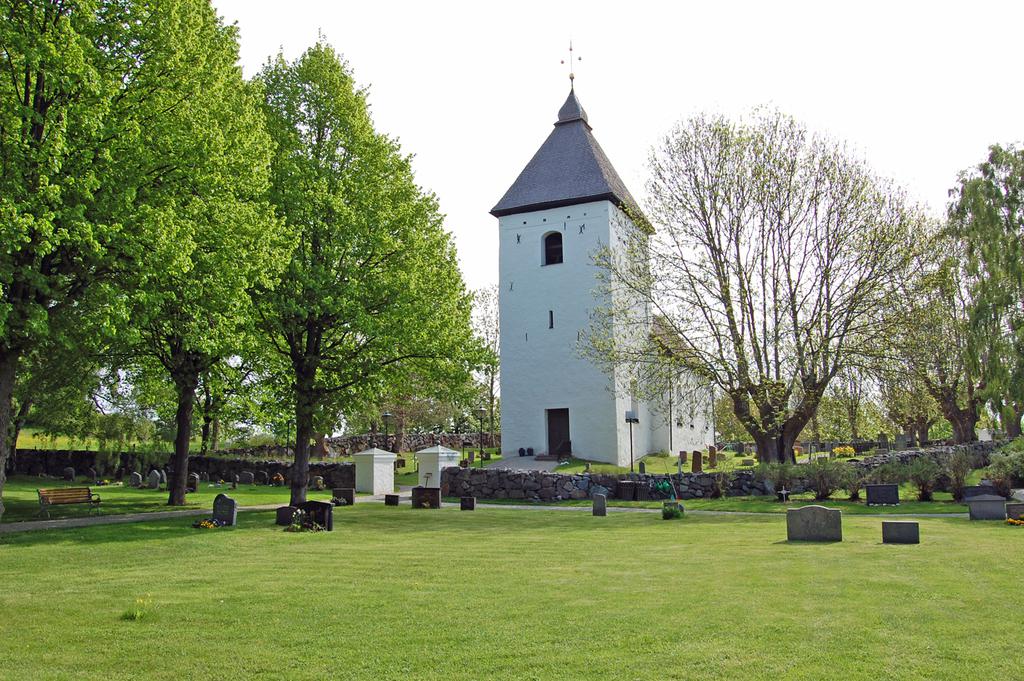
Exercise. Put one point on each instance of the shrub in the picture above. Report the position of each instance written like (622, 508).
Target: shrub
(1006, 471)
(671, 510)
(958, 468)
(888, 474)
(826, 476)
(853, 482)
(844, 450)
(923, 473)
(780, 475)
(719, 485)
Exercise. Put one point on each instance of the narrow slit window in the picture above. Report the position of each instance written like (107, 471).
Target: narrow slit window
(551, 319)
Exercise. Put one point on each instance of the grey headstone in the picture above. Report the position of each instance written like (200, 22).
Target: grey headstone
(90, 473)
(153, 480)
(68, 474)
(900, 532)
(163, 476)
(883, 494)
(980, 490)
(135, 479)
(1015, 511)
(204, 477)
(192, 485)
(814, 523)
(262, 478)
(225, 509)
(246, 478)
(900, 442)
(748, 462)
(987, 507)
(600, 505)
(285, 515)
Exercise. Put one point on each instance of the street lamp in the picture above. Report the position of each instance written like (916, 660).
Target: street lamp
(631, 419)
(387, 417)
(480, 411)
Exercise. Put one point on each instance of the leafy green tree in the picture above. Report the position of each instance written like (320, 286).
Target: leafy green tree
(987, 214)
(372, 293)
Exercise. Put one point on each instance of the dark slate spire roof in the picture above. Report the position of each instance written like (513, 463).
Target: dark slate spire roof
(569, 168)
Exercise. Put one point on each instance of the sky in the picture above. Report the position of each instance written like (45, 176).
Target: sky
(471, 90)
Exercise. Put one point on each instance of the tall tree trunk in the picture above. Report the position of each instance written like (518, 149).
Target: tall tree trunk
(186, 381)
(207, 418)
(1011, 417)
(304, 407)
(19, 422)
(8, 374)
(215, 434)
(399, 434)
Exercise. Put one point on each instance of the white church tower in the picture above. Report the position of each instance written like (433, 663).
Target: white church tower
(565, 206)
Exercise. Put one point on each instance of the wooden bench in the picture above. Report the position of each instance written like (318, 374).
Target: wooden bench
(66, 495)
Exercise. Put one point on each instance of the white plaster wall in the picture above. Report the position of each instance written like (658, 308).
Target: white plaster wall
(375, 472)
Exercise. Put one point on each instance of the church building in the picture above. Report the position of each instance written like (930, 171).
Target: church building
(566, 205)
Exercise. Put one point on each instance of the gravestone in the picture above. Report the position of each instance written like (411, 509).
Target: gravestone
(883, 495)
(204, 477)
(980, 490)
(320, 512)
(643, 468)
(748, 462)
(225, 509)
(467, 504)
(901, 442)
(347, 494)
(68, 474)
(285, 515)
(1015, 511)
(600, 505)
(900, 532)
(426, 497)
(399, 463)
(814, 523)
(153, 480)
(391, 500)
(883, 441)
(163, 476)
(192, 484)
(90, 473)
(261, 478)
(682, 457)
(626, 490)
(698, 463)
(987, 507)
(316, 482)
(246, 478)
(712, 459)
(135, 479)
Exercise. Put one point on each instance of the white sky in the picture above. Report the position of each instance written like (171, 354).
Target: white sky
(471, 89)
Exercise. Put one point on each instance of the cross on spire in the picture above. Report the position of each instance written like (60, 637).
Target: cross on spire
(572, 76)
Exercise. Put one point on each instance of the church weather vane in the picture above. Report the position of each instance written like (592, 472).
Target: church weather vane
(572, 75)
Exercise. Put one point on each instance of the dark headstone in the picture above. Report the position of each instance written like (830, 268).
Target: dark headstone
(90, 473)
(399, 463)
(682, 457)
(344, 493)
(900, 532)
(642, 467)
(246, 478)
(135, 479)
(1015, 511)
(68, 474)
(204, 477)
(192, 484)
(316, 482)
(814, 523)
(698, 463)
(391, 500)
(285, 515)
(600, 505)
(626, 490)
(979, 490)
(225, 509)
(320, 512)
(467, 503)
(986, 507)
(426, 497)
(261, 478)
(888, 495)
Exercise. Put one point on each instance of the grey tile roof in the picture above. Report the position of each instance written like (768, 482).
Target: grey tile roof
(569, 168)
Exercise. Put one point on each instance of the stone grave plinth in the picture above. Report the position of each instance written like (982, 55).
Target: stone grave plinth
(987, 507)
(900, 532)
(426, 497)
(879, 495)
(814, 523)
(432, 461)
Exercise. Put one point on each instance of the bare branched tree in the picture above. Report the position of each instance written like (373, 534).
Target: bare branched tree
(774, 257)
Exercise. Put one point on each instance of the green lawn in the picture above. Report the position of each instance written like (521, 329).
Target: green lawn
(22, 502)
(395, 593)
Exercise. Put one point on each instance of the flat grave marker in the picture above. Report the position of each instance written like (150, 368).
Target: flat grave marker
(814, 523)
(900, 532)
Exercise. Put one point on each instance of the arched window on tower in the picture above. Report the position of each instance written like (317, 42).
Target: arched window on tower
(552, 248)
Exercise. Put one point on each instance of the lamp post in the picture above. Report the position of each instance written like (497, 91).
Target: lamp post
(631, 419)
(480, 412)
(387, 417)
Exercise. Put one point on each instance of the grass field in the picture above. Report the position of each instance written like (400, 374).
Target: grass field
(395, 593)
(22, 502)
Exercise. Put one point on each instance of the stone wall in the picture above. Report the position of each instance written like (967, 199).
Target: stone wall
(352, 444)
(496, 483)
(53, 462)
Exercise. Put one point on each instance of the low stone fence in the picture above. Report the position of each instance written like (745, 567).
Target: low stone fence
(120, 465)
(352, 444)
(497, 483)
